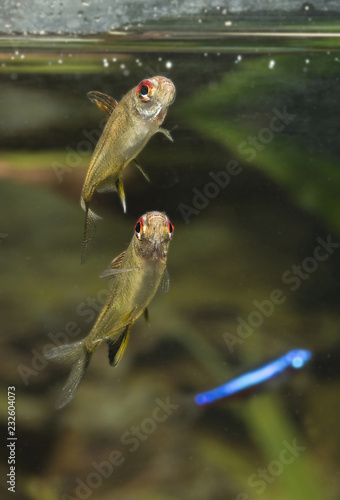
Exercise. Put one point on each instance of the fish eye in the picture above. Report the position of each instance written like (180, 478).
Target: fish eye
(170, 229)
(145, 90)
(139, 228)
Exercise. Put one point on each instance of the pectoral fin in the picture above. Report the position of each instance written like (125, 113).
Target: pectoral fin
(111, 273)
(117, 347)
(166, 133)
(165, 283)
(104, 102)
(115, 268)
(136, 164)
(120, 189)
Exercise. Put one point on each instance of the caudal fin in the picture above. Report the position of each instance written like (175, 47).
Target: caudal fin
(89, 231)
(77, 354)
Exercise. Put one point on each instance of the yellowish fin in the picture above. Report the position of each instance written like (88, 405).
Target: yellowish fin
(120, 189)
(104, 102)
(117, 347)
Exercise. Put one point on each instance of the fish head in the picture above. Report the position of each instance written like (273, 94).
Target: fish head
(153, 96)
(153, 232)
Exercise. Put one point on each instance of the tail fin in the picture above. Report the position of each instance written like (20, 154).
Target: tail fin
(89, 230)
(77, 354)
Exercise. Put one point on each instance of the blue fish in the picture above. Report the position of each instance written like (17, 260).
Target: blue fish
(293, 359)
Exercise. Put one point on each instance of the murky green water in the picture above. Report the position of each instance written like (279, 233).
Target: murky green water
(251, 184)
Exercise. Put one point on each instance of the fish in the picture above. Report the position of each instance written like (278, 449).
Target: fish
(296, 359)
(131, 123)
(135, 276)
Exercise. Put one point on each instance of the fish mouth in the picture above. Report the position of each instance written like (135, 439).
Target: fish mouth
(173, 97)
(169, 89)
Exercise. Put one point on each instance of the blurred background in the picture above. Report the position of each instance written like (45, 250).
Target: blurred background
(257, 96)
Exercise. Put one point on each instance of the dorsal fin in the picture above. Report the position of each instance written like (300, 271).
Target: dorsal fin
(104, 102)
(117, 262)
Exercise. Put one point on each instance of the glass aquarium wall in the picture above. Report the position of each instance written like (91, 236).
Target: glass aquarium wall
(251, 184)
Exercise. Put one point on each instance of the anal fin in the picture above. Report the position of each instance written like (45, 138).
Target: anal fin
(117, 347)
(120, 189)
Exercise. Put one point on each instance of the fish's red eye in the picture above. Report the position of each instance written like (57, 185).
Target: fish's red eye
(145, 90)
(170, 229)
(139, 228)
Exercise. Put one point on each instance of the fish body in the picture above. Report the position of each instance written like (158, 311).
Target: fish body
(136, 275)
(132, 122)
(293, 359)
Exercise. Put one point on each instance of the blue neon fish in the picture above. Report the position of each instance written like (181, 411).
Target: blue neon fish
(293, 359)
